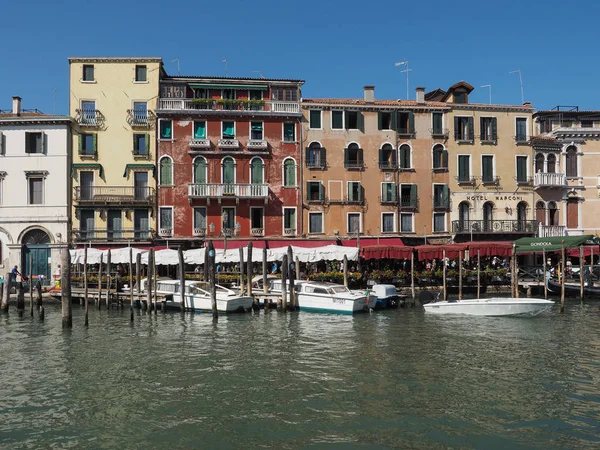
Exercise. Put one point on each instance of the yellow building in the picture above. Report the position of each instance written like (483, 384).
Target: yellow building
(112, 101)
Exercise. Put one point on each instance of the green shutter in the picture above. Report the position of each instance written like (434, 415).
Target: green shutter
(457, 135)
(80, 144)
(482, 130)
(95, 142)
(413, 195)
(321, 191)
(147, 142)
(411, 122)
(361, 121)
(228, 171)
(494, 128)
(521, 168)
(346, 121)
(462, 169)
(394, 158)
(471, 129)
(488, 168)
(290, 173)
(360, 157)
(444, 159)
(256, 168)
(200, 171)
(380, 121)
(394, 120)
(323, 157)
(446, 196)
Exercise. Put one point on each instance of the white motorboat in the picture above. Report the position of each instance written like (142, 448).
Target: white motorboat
(495, 306)
(197, 297)
(327, 297)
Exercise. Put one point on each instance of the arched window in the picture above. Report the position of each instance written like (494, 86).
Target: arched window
(315, 156)
(387, 157)
(289, 173)
(440, 157)
(256, 171)
(488, 216)
(571, 162)
(353, 157)
(551, 163)
(200, 169)
(166, 171)
(540, 212)
(522, 215)
(552, 214)
(228, 173)
(405, 159)
(539, 163)
(463, 216)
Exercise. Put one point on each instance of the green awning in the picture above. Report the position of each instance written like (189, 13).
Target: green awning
(91, 166)
(550, 244)
(130, 167)
(251, 87)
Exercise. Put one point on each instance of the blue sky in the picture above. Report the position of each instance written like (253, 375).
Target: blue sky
(337, 47)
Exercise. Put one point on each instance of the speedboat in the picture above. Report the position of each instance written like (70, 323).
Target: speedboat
(327, 297)
(495, 306)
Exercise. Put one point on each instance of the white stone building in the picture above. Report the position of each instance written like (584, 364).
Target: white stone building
(35, 188)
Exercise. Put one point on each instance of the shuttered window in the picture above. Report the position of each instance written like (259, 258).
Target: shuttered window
(337, 120)
(487, 168)
(36, 191)
(572, 213)
(315, 222)
(289, 173)
(200, 167)
(464, 168)
(571, 162)
(315, 119)
(166, 172)
(256, 171)
(521, 169)
(200, 129)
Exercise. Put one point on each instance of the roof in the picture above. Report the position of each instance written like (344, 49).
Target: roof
(213, 78)
(553, 112)
(32, 117)
(362, 102)
(72, 59)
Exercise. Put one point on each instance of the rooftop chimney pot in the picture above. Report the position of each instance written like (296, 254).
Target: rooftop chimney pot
(16, 106)
(369, 94)
(527, 104)
(420, 95)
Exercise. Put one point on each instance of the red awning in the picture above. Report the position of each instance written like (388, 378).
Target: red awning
(428, 252)
(305, 243)
(490, 248)
(587, 251)
(367, 242)
(237, 243)
(385, 252)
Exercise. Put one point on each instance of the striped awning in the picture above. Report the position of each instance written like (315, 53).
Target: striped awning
(89, 166)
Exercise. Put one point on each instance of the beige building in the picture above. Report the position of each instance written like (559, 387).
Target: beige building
(489, 160)
(566, 154)
(112, 101)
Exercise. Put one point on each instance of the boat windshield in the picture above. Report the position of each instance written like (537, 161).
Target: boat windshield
(338, 289)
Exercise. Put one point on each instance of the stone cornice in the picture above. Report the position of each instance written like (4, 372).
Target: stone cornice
(491, 108)
(114, 59)
(25, 120)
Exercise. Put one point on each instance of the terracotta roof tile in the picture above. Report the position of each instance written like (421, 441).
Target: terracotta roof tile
(361, 102)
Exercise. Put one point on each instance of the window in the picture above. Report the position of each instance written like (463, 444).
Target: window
(539, 163)
(572, 213)
(140, 186)
(88, 114)
(408, 196)
(228, 174)
(406, 222)
(552, 214)
(87, 144)
(256, 171)
(354, 223)
(405, 157)
(586, 123)
(315, 156)
(166, 220)
(487, 169)
(289, 173)
(200, 220)
(437, 119)
(315, 222)
(114, 224)
(566, 123)
(36, 190)
(166, 129)
(460, 96)
(289, 221)
(521, 125)
(199, 129)
(571, 162)
(141, 144)
(441, 196)
(200, 167)
(352, 120)
(353, 157)
(201, 93)
(256, 220)
(551, 163)
(355, 193)
(34, 142)
(228, 94)
(166, 171)
(388, 224)
(315, 191)
(285, 94)
(256, 130)
(86, 224)
(488, 216)
(86, 185)
(228, 130)
(440, 157)
(255, 95)
(387, 157)
(439, 222)
(88, 72)
(545, 125)
(521, 169)
(463, 129)
(388, 192)
(337, 120)
(141, 74)
(140, 114)
(385, 120)
(464, 168)
(406, 123)
(228, 220)
(489, 129)
(464, 210)
(289, 132)
(315, 119)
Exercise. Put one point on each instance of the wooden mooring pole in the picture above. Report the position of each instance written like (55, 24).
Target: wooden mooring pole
(345, 263)
(241, 249)
(412, 275)
(444, 275)
(478, 275)
(291, 273)
(30, 285)
(108, 279)
(266, 302)
(181, 278)
(211, 276)
(516, 275)
(284, 270)
(513, 276)
(100, 281)
(138, 278)
(65, 288)
(460, 264)
(85, 285)
(562, 277)
(130, 284)
(149, 280)
(20, 299)
(249, 271)
(154, 283)
(6, 296)
(545, 271)
(581, 266)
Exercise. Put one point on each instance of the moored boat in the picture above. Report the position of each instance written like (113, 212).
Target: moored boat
(495, 306)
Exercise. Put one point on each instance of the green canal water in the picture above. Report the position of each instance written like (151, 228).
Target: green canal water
(393, 379)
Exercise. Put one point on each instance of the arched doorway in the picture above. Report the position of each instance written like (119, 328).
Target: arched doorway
(36, 251)
(488, 216)
(552, 214)
(463, 216)
(521, 216)
(551, 163)
(540, 213)
(539, 163)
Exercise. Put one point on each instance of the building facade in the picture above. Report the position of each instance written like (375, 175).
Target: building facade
(490, 165)
(566, 159)
(113, 102)
(369, 168)
(228, 157)
(35, 189)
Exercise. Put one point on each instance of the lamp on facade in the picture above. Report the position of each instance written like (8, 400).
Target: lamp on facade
(211, 228)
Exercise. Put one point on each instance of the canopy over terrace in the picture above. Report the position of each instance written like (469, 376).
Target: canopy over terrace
(588, 250)
(550, 244)
(429, 252)
(386, 252)
(490, 248)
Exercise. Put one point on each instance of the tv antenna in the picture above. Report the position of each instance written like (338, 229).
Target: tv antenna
(176, 59)
(225, 61)
(521, 82)
(405, 64)
(490, 87)
(258, 72)
(54, 95)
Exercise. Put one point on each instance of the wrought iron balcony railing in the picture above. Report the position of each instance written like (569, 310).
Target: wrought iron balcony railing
(137, 118)
(494, 226)
(125, 234)
(114, 194)
(251, 106)
(91, 118)
(212, 190)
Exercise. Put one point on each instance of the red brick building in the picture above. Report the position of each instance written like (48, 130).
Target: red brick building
(228, 158)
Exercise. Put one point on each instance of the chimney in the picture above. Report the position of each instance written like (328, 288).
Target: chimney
(527, 104)
(420, 95)
(369, 94)
(16, 109)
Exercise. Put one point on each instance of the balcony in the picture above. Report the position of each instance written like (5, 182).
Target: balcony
(551, 180)
(105, 235)
(199, 143)
(229, 143)
(316, 164)
(114, 195)
(494, 226)
(354, 165)
(389, 199)
(524, 181)
(289, 232)
(257, 144)
(408, 202)
(89, 118)
(490, 181)
(386, 165)
(140, 118)
(165, 232)
(257, 232)
(203, 106)
(200, 232)
(466, 180)
(439, 133)
(551, 231)
(259, 191)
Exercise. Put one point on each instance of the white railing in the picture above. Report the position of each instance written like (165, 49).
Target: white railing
(165, 231)
(199, 231)
(228, 190)
(257, 143)
(551, 231)
(289, 232)
(229, 143)
(549, 179)
(188, 104)
(257, 231)
(200, 143)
